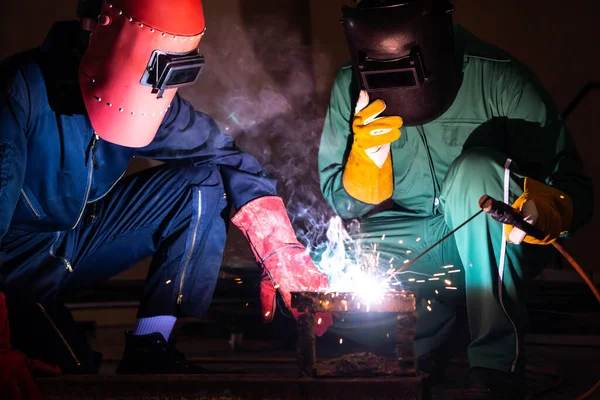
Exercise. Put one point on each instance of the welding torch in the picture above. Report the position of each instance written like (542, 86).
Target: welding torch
(506, 214)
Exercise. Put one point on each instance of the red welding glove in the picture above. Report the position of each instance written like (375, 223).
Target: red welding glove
(286, 264)
(16, 369)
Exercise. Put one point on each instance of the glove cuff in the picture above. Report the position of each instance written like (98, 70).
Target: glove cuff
(365, 181)
(266, 225)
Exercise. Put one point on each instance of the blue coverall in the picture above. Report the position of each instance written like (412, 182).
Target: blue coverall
(68, 220)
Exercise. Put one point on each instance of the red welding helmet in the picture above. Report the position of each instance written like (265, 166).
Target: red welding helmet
(139, 54)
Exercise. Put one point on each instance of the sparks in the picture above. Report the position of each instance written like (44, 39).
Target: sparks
(240, 282)
(368, 307)
(355, 270)
(233, 118)
(391, 260)
(400, 241)
(436, 291)
(238, 279)
(341, 340)
(451, 288)
(387, 335)
(440, 274)
(434, 279)
(383, 237)
(405, 261)
(454, 271)
(167, 282)
(447, 281)
(418, 239)
(421, 281)
(319, 321)
(246, 304)
(428, 308)
(411, 279)
(428, 301)
(267, 313)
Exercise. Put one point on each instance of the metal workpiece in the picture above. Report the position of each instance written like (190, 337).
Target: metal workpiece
(402, 303)
(306, 352)
(405, 345)
(392, 301)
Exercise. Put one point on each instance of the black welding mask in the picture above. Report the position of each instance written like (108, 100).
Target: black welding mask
(402, 52)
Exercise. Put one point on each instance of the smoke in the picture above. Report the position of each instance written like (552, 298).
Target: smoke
(262, 74)
(259, 85)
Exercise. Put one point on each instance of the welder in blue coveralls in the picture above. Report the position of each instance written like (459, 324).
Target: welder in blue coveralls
(73, 114)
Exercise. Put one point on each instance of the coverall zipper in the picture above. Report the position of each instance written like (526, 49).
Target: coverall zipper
(64, 260)
(87, 193)
(434, 181)
(30, 204)
(89, 182)
(193, 245)
(41, 307)
(108, 191)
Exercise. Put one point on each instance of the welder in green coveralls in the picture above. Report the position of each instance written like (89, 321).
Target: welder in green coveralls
(424, 121)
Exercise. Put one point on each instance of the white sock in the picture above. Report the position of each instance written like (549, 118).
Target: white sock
(162, 324)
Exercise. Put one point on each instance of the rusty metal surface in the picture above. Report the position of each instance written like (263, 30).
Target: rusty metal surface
(392, 301)
(360, 365)
(227, 387)
(306, 352)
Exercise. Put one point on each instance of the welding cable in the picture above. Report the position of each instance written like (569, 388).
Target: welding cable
(594, 290)
(579, 270)
(590, 392)
(504, 213)
(549, 372)
(557, 381)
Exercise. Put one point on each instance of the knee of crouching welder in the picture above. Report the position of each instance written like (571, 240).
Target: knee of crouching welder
(477, 165)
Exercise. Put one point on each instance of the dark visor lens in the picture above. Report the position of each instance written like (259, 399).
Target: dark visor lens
(175, 70)
(178, 77)
(392, 79)
(168, 71)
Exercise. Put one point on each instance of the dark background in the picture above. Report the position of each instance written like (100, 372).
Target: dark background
(270, 65)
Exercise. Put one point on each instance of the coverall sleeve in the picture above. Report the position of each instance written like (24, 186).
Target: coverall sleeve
(538, 133)
(13, 156)
(336, 141)
(189, 137)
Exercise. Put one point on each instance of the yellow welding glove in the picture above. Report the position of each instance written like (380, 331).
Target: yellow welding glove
(544, 206)
(368, 174)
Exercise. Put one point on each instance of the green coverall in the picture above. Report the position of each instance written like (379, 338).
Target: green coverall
(441, 169)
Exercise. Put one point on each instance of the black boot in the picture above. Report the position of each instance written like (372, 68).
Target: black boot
(433, 366)
(486, 383)
(50, 334)
(152, 354)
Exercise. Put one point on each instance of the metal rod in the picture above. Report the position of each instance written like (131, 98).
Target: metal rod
(408, 264)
